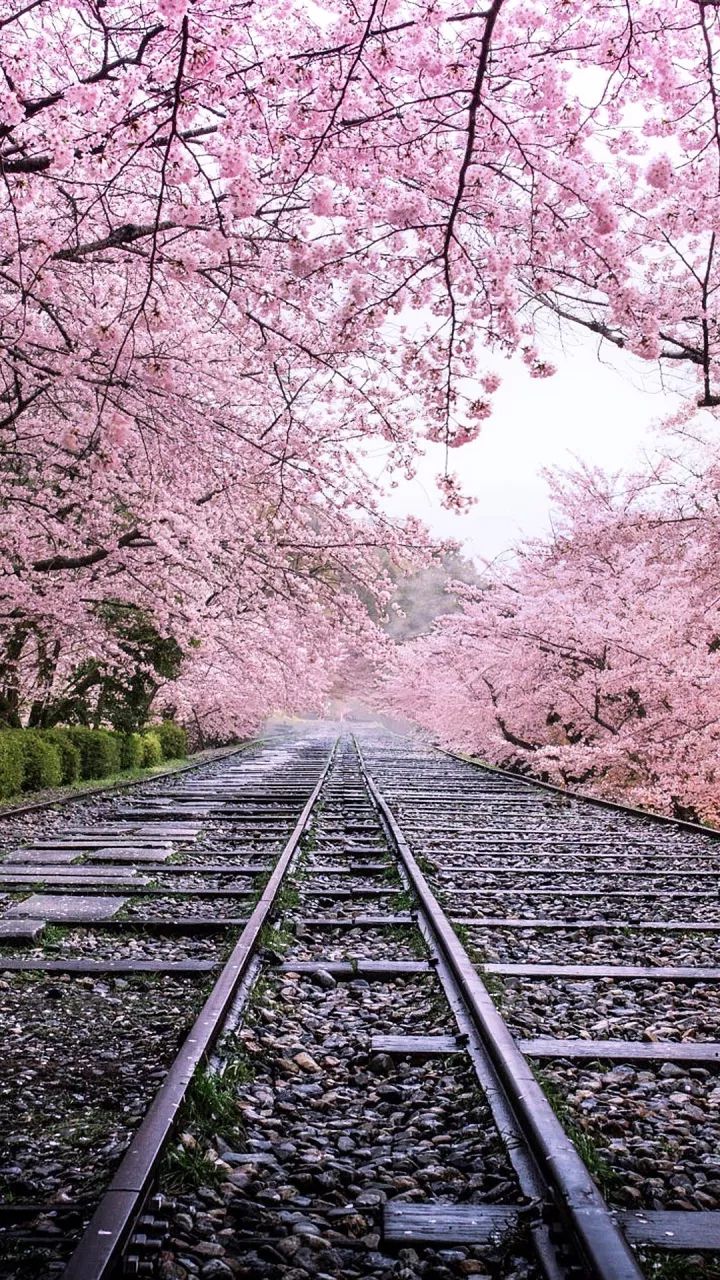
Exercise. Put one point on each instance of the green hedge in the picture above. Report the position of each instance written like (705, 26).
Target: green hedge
(152, 750)
(131, 751)
(35, 759)
(12, 765)
(70, 760)
(41, 761)
(173, 739)
(99, 751)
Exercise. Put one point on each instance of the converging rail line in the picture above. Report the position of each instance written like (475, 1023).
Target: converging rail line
(450, 1024)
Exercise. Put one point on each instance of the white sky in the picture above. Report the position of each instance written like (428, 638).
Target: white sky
(599, 407)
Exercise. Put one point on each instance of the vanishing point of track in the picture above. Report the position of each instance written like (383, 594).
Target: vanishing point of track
(403, 909)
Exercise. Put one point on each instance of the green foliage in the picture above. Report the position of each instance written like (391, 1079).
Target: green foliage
(131, 751)
(211, 1106)
(99, 750)
(38, 759)
(185, 1169)
(173, 739)
(425, 595)
(152, 750)
(119, 694)
(70, 761)
(12, 764)
(42, 762)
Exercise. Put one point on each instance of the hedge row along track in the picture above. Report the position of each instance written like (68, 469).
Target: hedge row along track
(280, 1018)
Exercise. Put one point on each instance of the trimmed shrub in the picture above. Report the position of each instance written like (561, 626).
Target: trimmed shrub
(131, 751)
(173, 739)
(70, 762)
(12, 764)
(43, 765)
(99, 751)
(152, 750)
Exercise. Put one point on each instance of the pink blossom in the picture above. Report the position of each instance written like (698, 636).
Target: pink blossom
(322, 202)
(172, 9)
(659, 173)
(605, 217)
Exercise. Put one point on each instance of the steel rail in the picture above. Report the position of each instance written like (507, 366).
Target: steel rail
(98, 1253)
(698, 828)
(572, 1192)
(36, 806)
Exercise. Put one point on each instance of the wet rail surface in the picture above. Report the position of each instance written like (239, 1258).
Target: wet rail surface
(401, 985)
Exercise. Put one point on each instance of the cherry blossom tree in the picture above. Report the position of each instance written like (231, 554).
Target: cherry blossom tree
(242, 244)
(178, 430)
(596, 659)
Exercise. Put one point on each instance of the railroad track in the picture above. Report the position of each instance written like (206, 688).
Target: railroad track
(339, 959)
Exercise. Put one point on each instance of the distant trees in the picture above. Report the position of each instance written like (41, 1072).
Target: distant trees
(427, 594)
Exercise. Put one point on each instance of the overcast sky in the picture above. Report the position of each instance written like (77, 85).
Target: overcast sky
(599, 409)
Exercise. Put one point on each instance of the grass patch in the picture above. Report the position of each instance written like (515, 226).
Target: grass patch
(478, 956)
(259, 993)
(462, 935)
(210, 1105)
(672, 1266)
(493, 984)
(277, 938)
(260, 884)
(426, 865)
(582, 1139)
(287, 899)
(391, 875)
(237, 1067)
(405, 933)
(404, 901)
(209, 1111)
(187, 1168)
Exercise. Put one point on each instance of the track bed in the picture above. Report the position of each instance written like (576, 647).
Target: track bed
(416, 1017)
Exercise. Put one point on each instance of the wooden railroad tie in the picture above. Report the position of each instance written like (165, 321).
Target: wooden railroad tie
(447, 1224)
